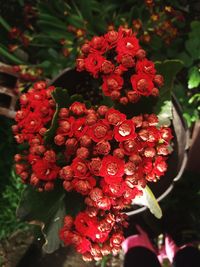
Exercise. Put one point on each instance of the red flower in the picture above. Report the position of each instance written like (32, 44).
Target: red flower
(112, 167)
(98, 44)
(86, 225)
(79, 128)
(112, 82)
(84, 186)
(44, 170)
(66, 127)
(160, 166)
(31, 124)
(93, 63)
(124, 131)
(128, 45)
(83, 246)
(145, 66)
(100, 131)
(114, 116)
(142, 84)
(79, 168)
(112, 37)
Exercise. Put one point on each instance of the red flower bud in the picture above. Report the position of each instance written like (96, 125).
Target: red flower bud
(78, 108)
(155, 92)
(149, 152)
(40, 85)
(135, 158)
(66, 173)
(106, 249)
(129, 168)
(95, 165)
(127, 61)
(50, 156)
(104, 203)
(49, 186)
(59, 140)
(68, 222)
(24, 176)
(63, 113)
(123, 100)
(158, 80)
(42, 131)
(18, 157)
(144, 134)
(71, 145)
(107, 67)
(80, 64)
(85, 141)
(96, 194)
(103, 148)
(23, 99)
(91, 119)
(102, 110)
(162, 149)
(82, 153)
(34, 180)
(119, 152)
(115, 95)
(133, 96)
(64, 126)
(87, 257)
(85, 49)
(67, 186)
(15, 129)
(141, 54)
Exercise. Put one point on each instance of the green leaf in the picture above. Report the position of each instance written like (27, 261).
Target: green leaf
(76, 97)
(10, 57)
(46, 209)
(169, 70)
(62, 100)
(194, 78)
(4, 24)
(148, 199)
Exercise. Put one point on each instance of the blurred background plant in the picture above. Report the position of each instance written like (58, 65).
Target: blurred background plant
(41, 38)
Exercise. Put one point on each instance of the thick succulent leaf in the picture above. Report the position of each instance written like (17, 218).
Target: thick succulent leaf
(46, 209)
(62, 99)
(169, 70)
(148, 199)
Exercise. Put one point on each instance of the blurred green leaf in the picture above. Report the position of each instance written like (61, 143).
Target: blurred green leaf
(194, 78)
(168, 69)
(4, 24)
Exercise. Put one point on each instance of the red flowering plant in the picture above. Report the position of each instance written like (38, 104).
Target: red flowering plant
(84, 164)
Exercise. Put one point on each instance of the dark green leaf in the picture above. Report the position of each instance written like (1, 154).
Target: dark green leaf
(46, 209)
(62, 100)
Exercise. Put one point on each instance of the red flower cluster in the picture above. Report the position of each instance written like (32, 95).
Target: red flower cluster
(37, 165)
(106, 157)
(118, 59)
(111, 157)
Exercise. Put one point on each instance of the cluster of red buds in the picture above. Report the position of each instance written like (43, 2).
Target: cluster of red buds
(33, 119)
(27, 74)
(112, 157)
(118, 60)
(16, 34)
(96, 152)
